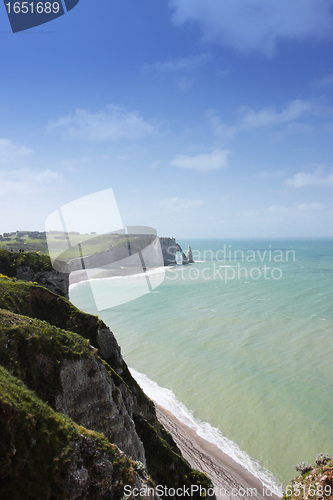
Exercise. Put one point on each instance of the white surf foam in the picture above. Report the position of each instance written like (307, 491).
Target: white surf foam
(167, 399)
(154, 271)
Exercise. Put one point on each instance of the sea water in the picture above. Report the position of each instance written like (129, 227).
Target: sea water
(239, 351)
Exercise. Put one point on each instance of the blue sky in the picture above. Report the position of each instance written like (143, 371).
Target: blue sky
(208, 118)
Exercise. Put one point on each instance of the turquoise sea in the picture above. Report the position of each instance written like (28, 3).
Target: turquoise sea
(240, 352)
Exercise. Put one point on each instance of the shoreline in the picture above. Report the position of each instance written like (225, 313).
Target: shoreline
(230, 479)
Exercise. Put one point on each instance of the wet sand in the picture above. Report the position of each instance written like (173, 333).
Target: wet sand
(230, 479)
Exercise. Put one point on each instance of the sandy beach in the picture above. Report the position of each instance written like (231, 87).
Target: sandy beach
(231, 480)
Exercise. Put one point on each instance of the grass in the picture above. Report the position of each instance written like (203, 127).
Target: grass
(37, 447)
(33, 350)
(35, 301)
(93, 243)
(25, 242)
(164, 464)
(11, 261)
(39, 329)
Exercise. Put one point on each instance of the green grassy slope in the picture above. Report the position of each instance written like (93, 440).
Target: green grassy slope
(39, 448)
(38, 330)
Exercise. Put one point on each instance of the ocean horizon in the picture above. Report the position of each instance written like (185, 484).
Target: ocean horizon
(238, 346)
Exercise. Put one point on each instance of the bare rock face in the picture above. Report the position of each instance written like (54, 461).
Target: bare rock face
(91, 399)
(189, 256)
(92, 469)
(108, 347)
(169, 249)
(53, 280)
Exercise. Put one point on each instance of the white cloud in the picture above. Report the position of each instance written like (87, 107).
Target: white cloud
(27, 182)
(296, 209)
(266, 117)
(302, 179)
(256, 25)
(178, 65)
(275, 174)
(111, 125)
(182, 70)
(9, 151)
(280, 212)
(180, 203)
(251, 213)
(325, 82)
(204, 162)
(310, 206)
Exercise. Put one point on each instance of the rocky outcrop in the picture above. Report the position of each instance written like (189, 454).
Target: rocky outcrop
(53, 280)
(170, 248)
(67, 372)
(123, 248)
(92, 469)
(90, 398)
(315, 481)
(189, 256)
(46, 455)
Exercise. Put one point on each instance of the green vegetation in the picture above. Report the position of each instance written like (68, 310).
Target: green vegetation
(314, 483)
(322, 458)
(303, 467)
(33, 350)
(38, 330)
(28, 241)
(35, 301)
(38, 444)
(32, 300)
(164, 464)
(11, 261)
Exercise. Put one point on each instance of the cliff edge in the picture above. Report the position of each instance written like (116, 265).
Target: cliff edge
(74, 422)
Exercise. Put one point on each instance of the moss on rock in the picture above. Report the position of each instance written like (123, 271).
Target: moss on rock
(45, 455)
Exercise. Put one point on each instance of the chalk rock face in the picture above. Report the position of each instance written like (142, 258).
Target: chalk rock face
(91, 398)
(169, 248)
(189, 256)
(109, 348)
(92, 469)
(53, 280)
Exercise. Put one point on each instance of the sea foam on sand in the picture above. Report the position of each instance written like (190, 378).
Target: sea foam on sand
(231, 470)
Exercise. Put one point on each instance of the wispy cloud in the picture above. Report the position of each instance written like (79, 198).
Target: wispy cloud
(295, 209)
(283, 211)
(204, 162)
(306, 207)
(181, 70)
(180, 203)
(274, 174)
(317, 178)
(266, 117)
(9, 151)
(325, 82)
(251, 213)
(256, 25)
(114, 123)
(28, 182)
(178, 65)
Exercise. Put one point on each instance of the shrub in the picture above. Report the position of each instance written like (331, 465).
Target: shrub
(303, 467)
(322, 458)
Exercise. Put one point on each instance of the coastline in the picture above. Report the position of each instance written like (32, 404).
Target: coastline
(229, 478)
